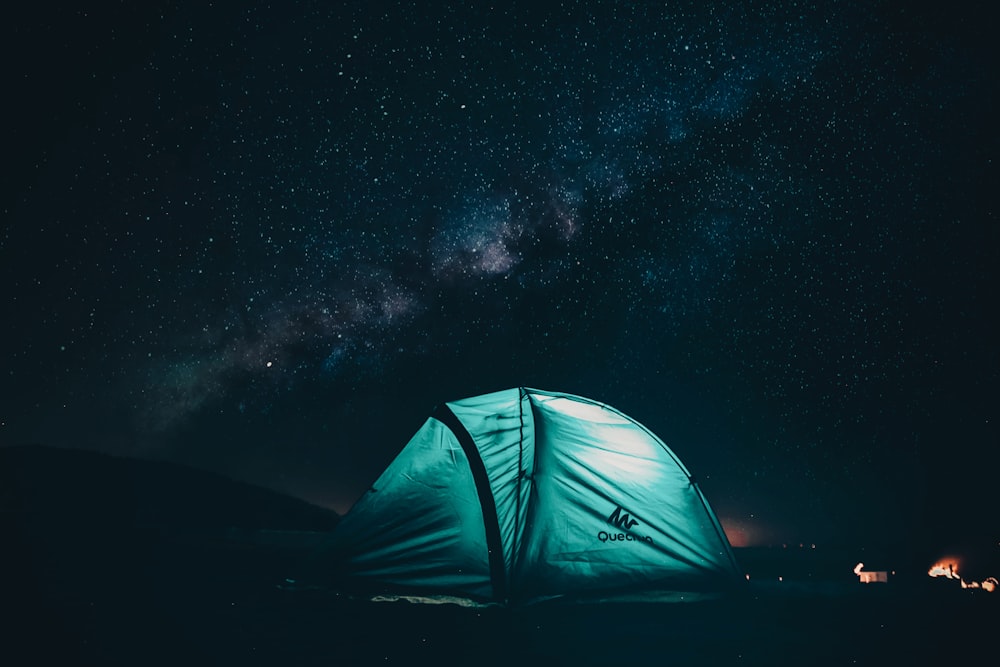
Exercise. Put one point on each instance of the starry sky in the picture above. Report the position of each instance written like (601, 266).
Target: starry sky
(266, 239)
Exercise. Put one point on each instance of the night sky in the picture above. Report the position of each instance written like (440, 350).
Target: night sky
(266, 239)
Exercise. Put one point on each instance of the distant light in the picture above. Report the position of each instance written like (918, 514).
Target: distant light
(270, 363)
(948, 568)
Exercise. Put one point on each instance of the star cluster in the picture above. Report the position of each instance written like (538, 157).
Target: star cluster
(239, 234)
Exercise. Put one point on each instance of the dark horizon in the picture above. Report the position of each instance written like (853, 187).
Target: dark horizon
(910, 555)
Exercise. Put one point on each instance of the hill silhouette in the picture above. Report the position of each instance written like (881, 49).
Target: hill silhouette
(78, 524)
(50, 486)
(112, 561)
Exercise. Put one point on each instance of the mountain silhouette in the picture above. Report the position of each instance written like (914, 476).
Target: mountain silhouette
(102, 492)
(80, 523)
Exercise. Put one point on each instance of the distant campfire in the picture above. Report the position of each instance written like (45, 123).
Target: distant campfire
(870, 576)
(948, 568)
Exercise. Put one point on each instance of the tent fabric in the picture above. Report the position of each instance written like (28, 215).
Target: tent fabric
(524, 494)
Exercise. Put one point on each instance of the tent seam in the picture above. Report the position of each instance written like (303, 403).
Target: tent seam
(487, 503)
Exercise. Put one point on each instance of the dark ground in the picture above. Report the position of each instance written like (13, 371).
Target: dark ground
(123, 592)
(217, 612)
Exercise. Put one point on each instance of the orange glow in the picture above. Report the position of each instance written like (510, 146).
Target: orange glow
(948, 568)
(945, 567)
(737, 531)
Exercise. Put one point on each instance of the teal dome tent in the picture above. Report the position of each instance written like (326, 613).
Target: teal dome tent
(522, 495)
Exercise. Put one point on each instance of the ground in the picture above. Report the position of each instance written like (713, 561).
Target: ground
(218, 603)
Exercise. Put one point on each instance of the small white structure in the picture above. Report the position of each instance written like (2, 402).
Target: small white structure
(870, 577)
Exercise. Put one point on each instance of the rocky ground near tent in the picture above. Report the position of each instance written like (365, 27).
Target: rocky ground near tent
(91, 584)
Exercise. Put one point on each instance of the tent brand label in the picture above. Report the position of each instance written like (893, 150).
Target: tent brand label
(621, 519)
(604, 536)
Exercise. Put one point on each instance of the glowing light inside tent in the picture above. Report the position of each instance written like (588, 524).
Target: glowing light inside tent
(615, 441)
(631, 454)
(582, 410)
(948, 568)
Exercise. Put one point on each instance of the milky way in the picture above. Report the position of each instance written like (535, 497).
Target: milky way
(237, 232)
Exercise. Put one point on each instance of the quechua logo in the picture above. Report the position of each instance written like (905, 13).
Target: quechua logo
(624, 522)
(620, 519)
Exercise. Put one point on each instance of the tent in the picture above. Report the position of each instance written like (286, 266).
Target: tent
(522, 495)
